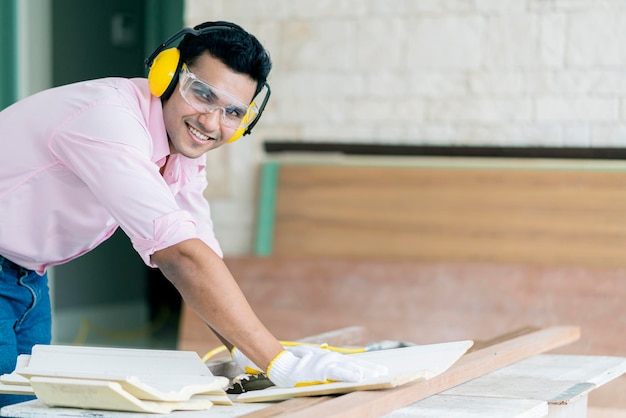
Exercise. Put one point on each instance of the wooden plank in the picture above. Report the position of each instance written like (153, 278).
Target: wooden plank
(472, 365)
(354, 335)
(290, 405)
(149, 375)
(99, 394)
(560, 392)
(434, 407)
(302, 296)
(298, 296)
(503, 337)
(533, 215)
(37, 409)
(607, 372)
(408, 364)
(598, 370)
(564, 381)
(449, 406)
(110, 360)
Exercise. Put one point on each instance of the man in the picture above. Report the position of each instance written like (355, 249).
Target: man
(79, 161)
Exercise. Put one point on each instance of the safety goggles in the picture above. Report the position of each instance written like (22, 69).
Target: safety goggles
(206, 98)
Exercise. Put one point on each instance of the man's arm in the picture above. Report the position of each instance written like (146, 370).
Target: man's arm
(210, 290)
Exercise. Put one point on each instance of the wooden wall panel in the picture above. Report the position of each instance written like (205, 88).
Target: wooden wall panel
(438, 253)
(428, 302)
(545, 216)
(425, 302)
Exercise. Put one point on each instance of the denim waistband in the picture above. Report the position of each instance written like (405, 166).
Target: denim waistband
(5, 263)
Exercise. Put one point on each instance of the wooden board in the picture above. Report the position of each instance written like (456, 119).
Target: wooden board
(450, 406)
(177, 388)
(470, 366)
(555, 373)
(405, 365)
(563, 381)
(298, 296)
(97, 394)
(597, 370)
(560, 392)
(37, 409)
(127, 361)
(135, 380)
(499, 211)
(14, 378)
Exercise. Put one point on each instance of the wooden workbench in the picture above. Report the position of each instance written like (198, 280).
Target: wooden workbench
(546, 385)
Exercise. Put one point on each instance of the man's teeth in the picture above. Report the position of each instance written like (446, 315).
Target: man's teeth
(198, 134)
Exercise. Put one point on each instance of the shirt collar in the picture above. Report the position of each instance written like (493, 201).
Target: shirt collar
(156, 126)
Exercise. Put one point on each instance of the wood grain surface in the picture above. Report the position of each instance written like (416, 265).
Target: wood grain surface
(548, 216)
(425, 302)
(470, 366)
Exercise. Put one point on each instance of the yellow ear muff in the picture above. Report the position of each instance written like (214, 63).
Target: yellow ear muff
(163, 70)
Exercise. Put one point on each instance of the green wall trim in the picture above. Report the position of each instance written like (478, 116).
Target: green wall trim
(163, 19)
(8, 52)
(267, 208)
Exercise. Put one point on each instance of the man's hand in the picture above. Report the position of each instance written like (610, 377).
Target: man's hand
(302, 366)
(244, 362)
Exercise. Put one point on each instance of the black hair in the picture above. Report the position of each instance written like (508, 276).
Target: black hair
(233, 46)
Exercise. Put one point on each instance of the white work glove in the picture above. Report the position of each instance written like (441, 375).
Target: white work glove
(244, 362)
(248, 366)
(304, 365)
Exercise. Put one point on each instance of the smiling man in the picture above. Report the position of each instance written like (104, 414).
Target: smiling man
(79, 161)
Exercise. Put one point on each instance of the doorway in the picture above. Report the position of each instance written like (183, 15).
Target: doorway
(108, 297)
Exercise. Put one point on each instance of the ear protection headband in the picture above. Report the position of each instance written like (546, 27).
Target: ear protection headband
(164, 66)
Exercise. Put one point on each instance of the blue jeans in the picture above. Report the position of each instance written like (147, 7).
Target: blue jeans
(25, 317)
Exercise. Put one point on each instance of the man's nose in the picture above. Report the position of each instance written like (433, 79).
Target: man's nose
(212, 120)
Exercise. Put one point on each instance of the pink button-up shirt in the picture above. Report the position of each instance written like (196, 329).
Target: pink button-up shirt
(80, 160)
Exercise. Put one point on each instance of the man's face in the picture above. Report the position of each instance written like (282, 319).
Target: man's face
(192, 132)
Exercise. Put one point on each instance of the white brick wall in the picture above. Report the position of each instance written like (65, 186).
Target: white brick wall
(477, 72)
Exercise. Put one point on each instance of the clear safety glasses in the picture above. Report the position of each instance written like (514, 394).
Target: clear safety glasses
(206, 98)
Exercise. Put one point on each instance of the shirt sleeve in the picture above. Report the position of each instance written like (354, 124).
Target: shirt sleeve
(109, 149)
(191, 198)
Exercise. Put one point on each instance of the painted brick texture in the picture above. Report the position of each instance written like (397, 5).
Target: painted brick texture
(475, 72)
